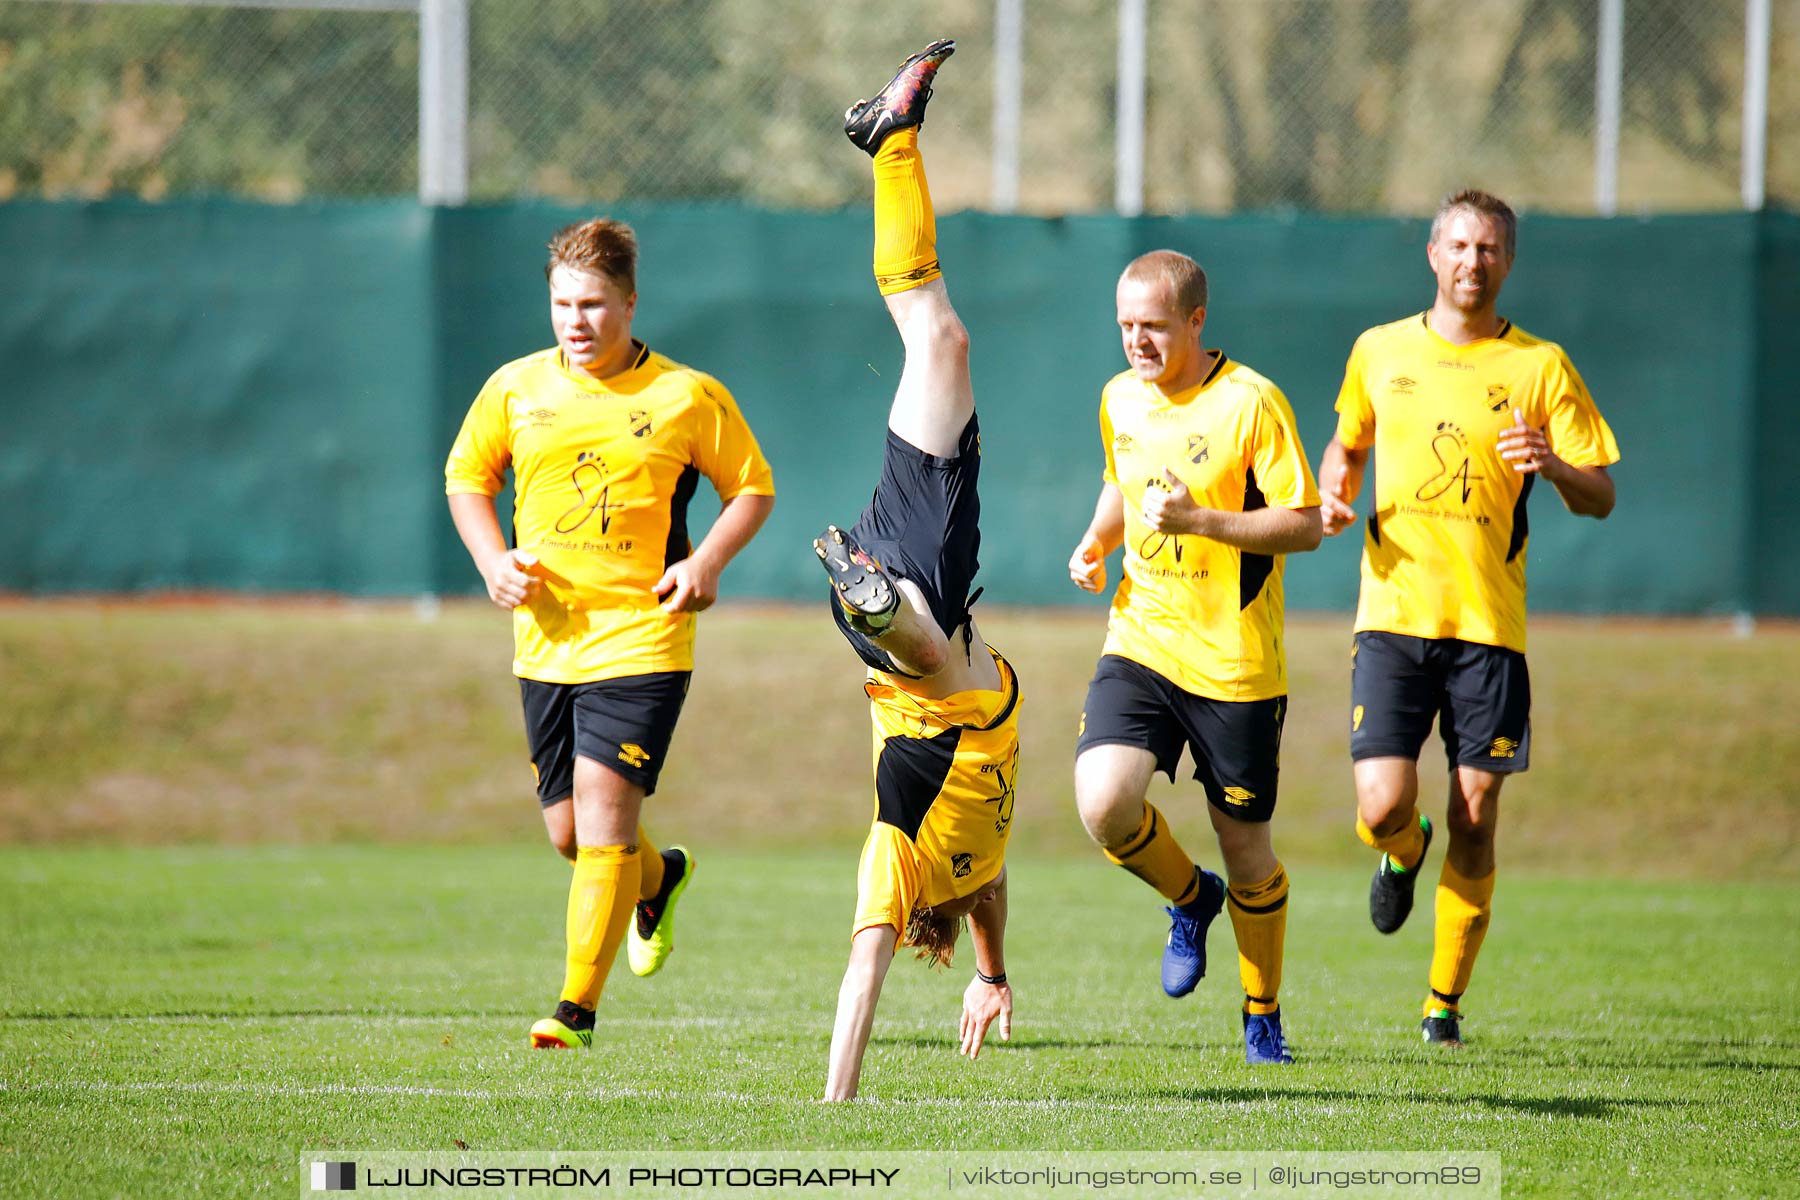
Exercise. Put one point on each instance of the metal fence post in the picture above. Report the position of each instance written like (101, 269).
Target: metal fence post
(1009, 82)
(1609, 61)
(1756, 104)
(1128, 187)
(443, 101)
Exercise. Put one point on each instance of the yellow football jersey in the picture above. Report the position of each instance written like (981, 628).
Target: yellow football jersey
(1204, 615)
(603, 471)
(945, 775)
(1444, 548)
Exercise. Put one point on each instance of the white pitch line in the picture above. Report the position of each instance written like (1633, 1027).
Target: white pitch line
(294, 1018)
(1053, 1104)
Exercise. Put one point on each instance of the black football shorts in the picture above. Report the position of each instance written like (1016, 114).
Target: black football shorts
(1236, 744)
(1479, 695)
(923, 524)
(623, 724)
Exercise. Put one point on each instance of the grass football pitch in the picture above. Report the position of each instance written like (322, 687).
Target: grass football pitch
(190, 1021)
(267, 889)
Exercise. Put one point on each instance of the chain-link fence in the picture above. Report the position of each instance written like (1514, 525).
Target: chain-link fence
(1320, 105)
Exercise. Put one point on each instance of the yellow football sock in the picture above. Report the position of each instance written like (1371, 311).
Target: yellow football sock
(1154, 856)
(653, 866)
(905, 229)
(1463, 906)
(601, 897)
(1259, 918)
(1405, 847)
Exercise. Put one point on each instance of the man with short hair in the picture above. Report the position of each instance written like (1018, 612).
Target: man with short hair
(943, 704)
(1207, 488)
(606, 441)
(1463, 410)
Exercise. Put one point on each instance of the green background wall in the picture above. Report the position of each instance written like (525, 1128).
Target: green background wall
(227, 395)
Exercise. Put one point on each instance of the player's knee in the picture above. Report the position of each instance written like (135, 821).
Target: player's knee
(953, 336)
(1385, 811)
(1472, 821)
(938, 334)
(1109, 816)
(928, 657)
(559, 826)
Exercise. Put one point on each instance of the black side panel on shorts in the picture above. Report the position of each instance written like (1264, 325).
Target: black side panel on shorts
(1253, 569)
(910, 775)
(679, 547)
(1521, 522)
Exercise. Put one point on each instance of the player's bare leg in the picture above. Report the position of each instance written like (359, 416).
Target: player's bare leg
(1112, 784)
(934, 401)
(1388, 819)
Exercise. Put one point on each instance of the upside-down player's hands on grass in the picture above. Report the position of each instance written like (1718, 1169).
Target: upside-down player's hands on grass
(982, 1004)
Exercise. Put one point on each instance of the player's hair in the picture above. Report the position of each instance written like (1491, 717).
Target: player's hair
(1488, 205)
(603, 245)
(932, 934)
(1186, 281)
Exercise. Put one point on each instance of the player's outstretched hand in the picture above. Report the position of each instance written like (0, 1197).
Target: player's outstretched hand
(509, 580)
(983, 1003)
(689, 586)
(1087, 566)
(1527, 449)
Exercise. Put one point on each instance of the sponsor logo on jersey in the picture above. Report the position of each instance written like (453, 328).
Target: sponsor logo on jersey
(540, 416)
(1239, 796)
(633, 755)
(1401, 383)
(1121, 443)
(1450, 446)
(1503, 747)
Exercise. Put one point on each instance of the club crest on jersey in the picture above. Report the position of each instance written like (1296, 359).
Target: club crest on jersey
(640, 423)
(961, 864)
(1197, 451)
(1499, 396)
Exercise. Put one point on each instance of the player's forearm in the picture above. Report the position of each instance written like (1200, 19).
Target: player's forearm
(1585, 491)
(1339, 462)
(1108, 526)
(478, 526)
(987, 932)
(737, 523)
(871, 952)
(1272, 530)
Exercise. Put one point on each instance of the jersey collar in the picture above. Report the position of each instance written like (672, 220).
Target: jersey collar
(1425, 321)
(1220, 361)
(611, 383)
